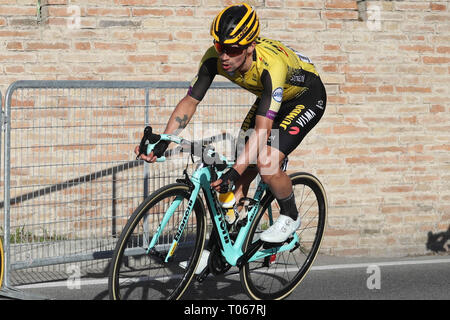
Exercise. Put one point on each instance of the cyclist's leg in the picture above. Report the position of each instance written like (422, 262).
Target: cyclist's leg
(243, 184)
(298, 117)
(250, 173)
(269, 167)
(296, 120)
(280, 184)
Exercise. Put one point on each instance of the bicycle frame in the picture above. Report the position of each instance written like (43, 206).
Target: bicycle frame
(201, 179)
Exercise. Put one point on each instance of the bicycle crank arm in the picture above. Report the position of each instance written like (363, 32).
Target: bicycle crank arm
(202, 276)
(254, 247)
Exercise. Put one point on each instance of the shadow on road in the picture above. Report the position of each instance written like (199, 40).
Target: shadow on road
(212, 288)
(437, 242)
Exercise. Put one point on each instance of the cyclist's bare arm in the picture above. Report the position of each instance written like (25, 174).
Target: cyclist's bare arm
(182, 114)
(180, 117)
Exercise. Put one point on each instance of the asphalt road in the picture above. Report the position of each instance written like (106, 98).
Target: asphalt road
(331, 278)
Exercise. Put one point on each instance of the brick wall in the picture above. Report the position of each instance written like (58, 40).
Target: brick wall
(382, 149)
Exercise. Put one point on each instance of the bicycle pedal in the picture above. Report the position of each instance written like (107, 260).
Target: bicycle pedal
(270, 245)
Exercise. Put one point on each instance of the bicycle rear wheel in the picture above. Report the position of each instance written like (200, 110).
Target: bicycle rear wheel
(275, 277)
(138, 275)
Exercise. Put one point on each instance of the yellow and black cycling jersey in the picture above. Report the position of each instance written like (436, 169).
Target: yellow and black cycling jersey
(278, 74)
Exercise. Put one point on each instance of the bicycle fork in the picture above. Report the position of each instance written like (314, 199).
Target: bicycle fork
(168, 214)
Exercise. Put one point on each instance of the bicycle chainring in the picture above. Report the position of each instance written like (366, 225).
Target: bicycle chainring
(217, 263)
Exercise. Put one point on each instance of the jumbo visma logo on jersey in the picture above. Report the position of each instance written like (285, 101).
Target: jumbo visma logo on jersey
(291, 116)
(300, 119)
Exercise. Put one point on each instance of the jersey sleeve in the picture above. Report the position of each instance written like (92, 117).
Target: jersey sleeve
(273, 81)
(206, 73)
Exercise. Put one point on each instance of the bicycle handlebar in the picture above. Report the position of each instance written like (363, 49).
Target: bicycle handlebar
(206, 152)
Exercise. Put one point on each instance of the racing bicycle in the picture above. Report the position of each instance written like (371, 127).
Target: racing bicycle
(159, 249)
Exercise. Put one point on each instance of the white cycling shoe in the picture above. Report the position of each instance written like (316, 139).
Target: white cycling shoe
(281, 229)
(203, 263)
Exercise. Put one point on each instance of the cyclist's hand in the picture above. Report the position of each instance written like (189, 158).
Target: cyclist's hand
(149, 158)
(216, 185)
(157, 152)
(226, 181)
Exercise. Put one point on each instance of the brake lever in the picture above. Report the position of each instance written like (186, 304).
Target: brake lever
(147, 139)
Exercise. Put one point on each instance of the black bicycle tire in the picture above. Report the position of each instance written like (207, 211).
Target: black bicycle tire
(157, 196)
(246, 281)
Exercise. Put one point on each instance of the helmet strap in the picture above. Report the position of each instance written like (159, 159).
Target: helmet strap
(245, 60)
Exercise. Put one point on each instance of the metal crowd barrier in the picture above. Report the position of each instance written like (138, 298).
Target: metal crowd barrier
(70, 175)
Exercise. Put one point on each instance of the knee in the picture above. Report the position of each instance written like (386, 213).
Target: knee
(266, 178)
(268, 163)
(268, 170)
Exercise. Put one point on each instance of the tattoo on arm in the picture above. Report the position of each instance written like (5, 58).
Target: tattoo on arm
(182, 122)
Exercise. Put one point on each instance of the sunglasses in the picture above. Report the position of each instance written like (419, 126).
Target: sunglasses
(230, 51)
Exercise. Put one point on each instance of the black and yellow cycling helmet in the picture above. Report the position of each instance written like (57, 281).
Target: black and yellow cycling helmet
(236, 25)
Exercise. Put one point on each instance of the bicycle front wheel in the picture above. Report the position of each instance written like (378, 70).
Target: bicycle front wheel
(136, 274)
(275, 277)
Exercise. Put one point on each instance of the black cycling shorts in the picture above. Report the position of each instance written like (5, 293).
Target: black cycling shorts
(294, 120)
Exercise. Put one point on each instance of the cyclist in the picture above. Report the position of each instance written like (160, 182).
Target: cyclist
(290, 101)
